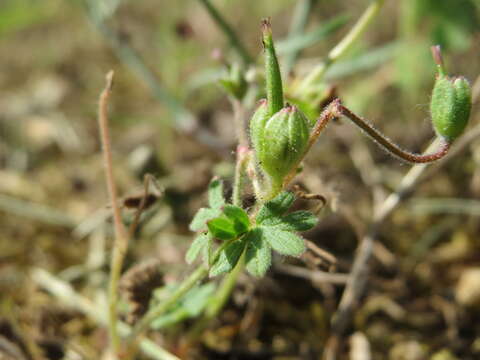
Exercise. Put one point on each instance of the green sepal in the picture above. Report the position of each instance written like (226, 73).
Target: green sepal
(257, 125)
(450, 106)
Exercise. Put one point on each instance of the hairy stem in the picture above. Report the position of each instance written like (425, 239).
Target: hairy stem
(228, 31)
(240, 169)
(387, 144)
(316, 75)
(239, 122)
(121, 236)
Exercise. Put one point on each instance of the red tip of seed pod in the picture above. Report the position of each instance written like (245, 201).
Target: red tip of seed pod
(266, 25)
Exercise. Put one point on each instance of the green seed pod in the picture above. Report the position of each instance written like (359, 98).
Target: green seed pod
(282, 142)
(450, 106)
(273, 75)
(257, 125)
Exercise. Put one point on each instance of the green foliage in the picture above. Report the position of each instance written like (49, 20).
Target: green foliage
(199, 244)
(258, 255)
(234, 82)
(201, 218)
(215, 200)
(298, 221)
(203, 242)
(452, 21)
(276, 231)
(274, 209)
(302, 41)
(231, 224)
(282, 241)
(189, 306)
(16, 15)
(227, 258)
(215, 194)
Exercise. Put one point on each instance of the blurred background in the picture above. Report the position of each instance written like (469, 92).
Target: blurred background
(171, 117)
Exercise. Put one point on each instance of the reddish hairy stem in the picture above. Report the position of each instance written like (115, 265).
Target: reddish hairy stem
(335, 110)
(386, 143)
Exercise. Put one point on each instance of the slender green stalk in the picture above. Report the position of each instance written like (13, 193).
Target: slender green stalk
(121, 236)
(297, 26)
(341, 48)
(229, 32)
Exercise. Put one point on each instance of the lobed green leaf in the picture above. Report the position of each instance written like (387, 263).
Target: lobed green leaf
(238, 216)
(199, 221)
(258, 257)
(228, 258)
(284, 242)
(215, 194)
(222, 228)
(275, 208)
(199, 243)
(298, 221)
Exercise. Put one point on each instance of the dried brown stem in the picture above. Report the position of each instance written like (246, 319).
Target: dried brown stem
(143, 204)
(121, 236)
